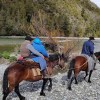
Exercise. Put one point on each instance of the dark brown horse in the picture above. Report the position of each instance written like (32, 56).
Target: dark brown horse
(23, 70)
(77, 64)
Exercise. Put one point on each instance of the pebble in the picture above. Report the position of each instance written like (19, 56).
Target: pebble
(82, 91)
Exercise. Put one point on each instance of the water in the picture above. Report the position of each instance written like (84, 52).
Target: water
(11, 41)
(10, 44)
(97, 45)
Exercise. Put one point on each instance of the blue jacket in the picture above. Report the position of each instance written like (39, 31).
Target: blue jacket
(88, 48)
(37, 44)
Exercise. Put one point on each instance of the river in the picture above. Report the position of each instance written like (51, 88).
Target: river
(10, 43)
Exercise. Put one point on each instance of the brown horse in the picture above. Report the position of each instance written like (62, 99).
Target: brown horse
(22, 70)
(77, 64)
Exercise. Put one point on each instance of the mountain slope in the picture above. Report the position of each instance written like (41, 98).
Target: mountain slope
(53, 17)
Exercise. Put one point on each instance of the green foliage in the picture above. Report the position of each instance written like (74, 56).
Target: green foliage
(12, 58)
(6, 55)
(0, 55)
(21, 17)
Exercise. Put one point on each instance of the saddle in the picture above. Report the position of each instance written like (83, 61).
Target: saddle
(35, 67)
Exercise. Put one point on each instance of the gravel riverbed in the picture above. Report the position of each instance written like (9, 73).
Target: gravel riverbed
(82, 91)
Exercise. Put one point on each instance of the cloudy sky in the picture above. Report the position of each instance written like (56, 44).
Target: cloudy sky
(97, 2)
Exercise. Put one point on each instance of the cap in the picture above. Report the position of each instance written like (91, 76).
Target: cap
(28, 38)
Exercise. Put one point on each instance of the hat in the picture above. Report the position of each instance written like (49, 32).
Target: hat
(28, 38)
(91, 38)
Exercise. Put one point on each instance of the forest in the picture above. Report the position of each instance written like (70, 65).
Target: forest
(78, 18)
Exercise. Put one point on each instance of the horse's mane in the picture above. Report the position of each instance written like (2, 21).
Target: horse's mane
(54, 57)
(97, 53)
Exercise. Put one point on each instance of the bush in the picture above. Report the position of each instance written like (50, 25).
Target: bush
(6, 55)
(12, 58)
(0, 55)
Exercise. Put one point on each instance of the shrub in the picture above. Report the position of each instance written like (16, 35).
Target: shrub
(6, 55)
(0, 55)
(12, 58)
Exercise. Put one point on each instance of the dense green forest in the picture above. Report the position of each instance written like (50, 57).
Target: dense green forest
(49, 17)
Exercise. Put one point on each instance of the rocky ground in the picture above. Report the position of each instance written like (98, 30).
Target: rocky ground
(82, 91)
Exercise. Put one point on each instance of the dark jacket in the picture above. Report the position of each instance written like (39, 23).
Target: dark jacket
(88, 48)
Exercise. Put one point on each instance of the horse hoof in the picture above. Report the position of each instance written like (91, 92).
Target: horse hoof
(49, 88)
(76, 83)
(22, 98)
(89, 81)
(42, 94)
(69, 88)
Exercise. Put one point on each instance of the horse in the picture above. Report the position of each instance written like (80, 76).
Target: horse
(77, 64)
(23, 70)
(97, 54)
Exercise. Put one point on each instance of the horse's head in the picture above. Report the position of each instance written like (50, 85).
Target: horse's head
(57, 59)
(97, 54)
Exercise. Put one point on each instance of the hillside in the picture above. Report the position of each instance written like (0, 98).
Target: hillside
(49, 17)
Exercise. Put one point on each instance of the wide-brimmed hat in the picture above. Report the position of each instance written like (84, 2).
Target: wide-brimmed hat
(28, 38)
(91, 38)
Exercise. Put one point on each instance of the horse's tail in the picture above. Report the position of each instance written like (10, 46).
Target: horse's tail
(71, 68)
(5, 82)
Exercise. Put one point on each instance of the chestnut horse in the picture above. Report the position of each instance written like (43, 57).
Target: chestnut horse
(77, 64)
(22, 70)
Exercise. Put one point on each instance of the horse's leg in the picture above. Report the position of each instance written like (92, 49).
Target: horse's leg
(70, 75)
(43, 86)
(75, 76)
(94, 66)
(5, 95)
(76, 82)
(11, 87)
(18, 93)
(90, 76)
(70, 82)
(50, 85)
(86, 74)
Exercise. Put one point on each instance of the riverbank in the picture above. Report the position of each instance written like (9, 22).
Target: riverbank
(82, 91)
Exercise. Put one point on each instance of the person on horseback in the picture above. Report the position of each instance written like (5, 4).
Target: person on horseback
(88, 51)
(37, 44)
(27, 50)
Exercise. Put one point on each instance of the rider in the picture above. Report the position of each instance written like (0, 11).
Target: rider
(88, 50)
(27, 49)
(37, 44)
